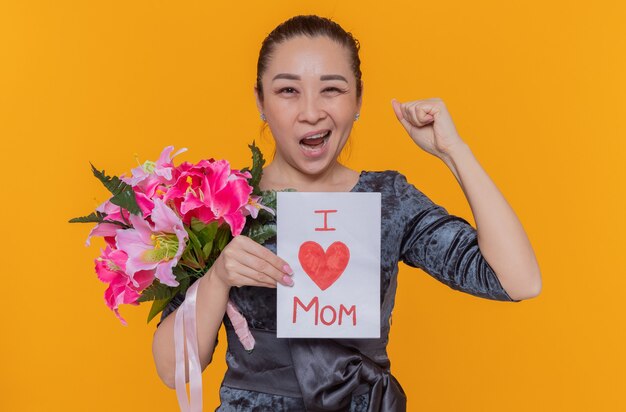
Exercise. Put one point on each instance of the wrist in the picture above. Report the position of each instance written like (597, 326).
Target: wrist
(454, 156)
(211, 280)
(453, 153)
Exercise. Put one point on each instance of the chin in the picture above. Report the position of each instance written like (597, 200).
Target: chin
(314, 168)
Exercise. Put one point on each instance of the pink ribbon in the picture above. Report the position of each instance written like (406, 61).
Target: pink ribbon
(240, 325)
(186, 316)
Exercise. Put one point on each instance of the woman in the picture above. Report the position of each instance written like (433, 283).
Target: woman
(309, 90)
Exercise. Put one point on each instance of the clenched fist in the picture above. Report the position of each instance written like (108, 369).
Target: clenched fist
(429, 124)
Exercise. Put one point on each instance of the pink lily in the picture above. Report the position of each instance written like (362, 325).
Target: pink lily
(253, 206)
(114, 213)
(118, 214)
(156, 246)
(110, 268)
(210, 192)
(151, 174)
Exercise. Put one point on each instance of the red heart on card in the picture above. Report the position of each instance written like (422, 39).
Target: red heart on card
(324, 268)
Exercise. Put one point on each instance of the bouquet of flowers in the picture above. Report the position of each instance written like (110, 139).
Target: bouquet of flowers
(165, 225)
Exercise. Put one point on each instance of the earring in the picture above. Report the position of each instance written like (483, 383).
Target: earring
(262, 117)
(356, 117)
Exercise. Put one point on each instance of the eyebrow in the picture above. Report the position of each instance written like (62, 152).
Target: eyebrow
(290, 76)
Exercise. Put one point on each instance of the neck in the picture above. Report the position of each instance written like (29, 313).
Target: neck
(282, 176)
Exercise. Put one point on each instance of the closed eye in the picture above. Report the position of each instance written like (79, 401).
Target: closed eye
(333, 90)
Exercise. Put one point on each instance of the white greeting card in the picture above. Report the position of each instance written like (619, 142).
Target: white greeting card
(332, 242)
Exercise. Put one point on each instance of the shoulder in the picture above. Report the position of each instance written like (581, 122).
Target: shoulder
(400, 198)
(381, 179)
(390, 182)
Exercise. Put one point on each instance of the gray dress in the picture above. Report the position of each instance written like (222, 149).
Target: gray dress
(351, 374)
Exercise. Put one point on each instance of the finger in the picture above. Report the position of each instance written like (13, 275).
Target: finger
(262, 252)
(239, 275)
(418, 115)
(261, 265)
(407, 113)
(252, 277)
(432, 106)
(397, 109)
(424, 115)
(245, 281)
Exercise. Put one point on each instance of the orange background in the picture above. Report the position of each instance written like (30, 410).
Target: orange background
(536, 89)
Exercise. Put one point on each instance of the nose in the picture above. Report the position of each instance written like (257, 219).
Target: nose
(311, 109)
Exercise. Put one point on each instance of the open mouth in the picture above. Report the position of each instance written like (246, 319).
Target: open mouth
(315, 142)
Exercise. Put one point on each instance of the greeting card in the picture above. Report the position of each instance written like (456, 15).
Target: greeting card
(332, 242)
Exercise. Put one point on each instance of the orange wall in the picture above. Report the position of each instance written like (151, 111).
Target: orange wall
(536, 89)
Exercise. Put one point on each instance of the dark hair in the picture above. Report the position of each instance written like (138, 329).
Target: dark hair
(311, 26)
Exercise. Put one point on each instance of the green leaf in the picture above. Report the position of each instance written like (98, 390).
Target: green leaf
(195, 243)
(198, 225)
(159, 304)
(97, 217)
(184, 284)
(262, 232)
(162, 294)
(187, 253)
(123, 195)
(157, 307)
(183, 275)
(206, 250)
(94, 217)
(257, 168)
(268, 198)
(222, 237)
(208, 232)
(156, 291)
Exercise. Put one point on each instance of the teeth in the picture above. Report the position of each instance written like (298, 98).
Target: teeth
(316, 136)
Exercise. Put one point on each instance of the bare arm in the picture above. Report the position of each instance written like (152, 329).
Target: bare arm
(242, 262)
(501, 237)
(210, 308)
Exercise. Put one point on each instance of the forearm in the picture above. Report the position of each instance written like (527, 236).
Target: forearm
(210, 308)
(501, 237)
